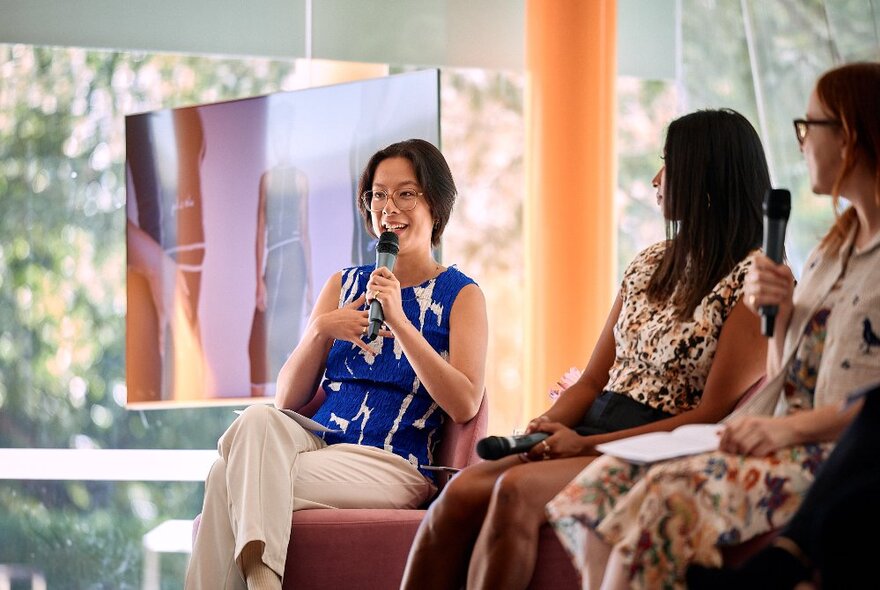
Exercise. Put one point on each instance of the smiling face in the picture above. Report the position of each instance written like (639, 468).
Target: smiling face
(413, 227)
(823, 148)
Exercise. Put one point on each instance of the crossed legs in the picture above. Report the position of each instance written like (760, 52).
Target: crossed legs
(268, 467)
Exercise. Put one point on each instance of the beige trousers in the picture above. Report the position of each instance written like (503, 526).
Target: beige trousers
(270, 466)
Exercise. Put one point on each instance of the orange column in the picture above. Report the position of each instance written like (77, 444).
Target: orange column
(570, 229)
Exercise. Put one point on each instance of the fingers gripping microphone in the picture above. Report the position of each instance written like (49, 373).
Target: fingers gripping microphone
(777, 206)
(386, 255)
(495, 447)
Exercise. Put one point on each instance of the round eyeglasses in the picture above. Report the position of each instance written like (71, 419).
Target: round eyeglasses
(404, 198)
(801, 126)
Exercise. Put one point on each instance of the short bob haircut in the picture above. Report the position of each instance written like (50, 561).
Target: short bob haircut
(716, 177)
(432, 174)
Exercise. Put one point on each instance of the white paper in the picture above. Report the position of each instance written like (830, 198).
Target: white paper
(689, 439)
(304, 421)
(308, 423)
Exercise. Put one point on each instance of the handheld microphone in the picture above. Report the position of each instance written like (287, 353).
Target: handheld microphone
(386, 255)
(495, 447)
(777, 206)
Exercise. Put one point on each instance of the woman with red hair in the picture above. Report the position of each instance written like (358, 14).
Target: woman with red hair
(634, 526)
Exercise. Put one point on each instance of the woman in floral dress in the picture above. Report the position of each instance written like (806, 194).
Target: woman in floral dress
(640, 527)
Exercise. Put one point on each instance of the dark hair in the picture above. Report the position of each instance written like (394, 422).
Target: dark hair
(716, 177)
(432, 173)
(851, 95)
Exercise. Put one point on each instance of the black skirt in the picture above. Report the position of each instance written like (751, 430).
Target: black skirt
(613, 411)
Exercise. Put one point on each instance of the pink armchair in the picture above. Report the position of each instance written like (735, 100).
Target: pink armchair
(375, 543)
(366, 548)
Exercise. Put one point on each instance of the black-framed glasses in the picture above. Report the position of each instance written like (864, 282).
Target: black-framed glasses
(404, 198)
(801, 126)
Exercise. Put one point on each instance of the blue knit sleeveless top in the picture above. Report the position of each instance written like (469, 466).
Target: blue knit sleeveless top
(378, 400)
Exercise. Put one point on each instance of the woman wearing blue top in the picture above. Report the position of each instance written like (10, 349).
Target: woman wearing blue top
(385, 399)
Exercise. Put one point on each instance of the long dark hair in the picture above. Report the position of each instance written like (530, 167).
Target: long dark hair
(432, 172)
(716, 177)
(851, 94)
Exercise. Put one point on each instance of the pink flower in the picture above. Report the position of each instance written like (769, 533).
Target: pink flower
(567, 380)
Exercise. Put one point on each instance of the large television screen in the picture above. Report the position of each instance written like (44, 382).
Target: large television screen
(237, 213)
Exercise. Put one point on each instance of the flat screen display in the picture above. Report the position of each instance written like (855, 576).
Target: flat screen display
(237, 213)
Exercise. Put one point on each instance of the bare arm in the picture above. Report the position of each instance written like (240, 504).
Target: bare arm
(573, 403)
(738, 363)
(762, 435)
(457, 384)
(768, 283)
(299, 377)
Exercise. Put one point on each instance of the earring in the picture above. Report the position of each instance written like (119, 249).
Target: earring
(708, 201)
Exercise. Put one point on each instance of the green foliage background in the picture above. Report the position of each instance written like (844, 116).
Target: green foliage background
(62, 301)
(62, 252)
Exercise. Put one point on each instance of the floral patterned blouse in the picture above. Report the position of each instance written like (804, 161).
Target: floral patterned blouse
(662, 361)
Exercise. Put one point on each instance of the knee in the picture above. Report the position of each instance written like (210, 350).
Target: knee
(217, 473)
(513, 500)
(511, 488)
(252, 417)
(461, 501)
(256, 413)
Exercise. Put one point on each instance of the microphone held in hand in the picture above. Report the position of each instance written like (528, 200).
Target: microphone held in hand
(495, 447)
(777, 206)
(386, 255)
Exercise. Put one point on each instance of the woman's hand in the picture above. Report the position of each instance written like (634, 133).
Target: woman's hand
(384, 287)
(348, 322)
(562, 442)
(768, 283)
(755, 435)
(532, 426)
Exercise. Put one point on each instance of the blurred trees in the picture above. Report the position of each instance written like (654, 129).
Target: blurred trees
(762, 58)
(483, 138)
(62, 249)
(62, 300)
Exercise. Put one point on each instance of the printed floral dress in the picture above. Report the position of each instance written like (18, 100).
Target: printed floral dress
(681, 511)
(673, 513)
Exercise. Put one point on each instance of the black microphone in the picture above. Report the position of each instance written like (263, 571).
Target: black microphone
(386, 255)
(777, 206)
(495, 447)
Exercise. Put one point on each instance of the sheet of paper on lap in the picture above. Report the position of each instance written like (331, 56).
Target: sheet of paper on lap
(689, 439)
